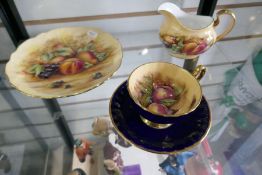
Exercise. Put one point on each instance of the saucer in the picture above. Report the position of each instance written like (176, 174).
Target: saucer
(185, 133)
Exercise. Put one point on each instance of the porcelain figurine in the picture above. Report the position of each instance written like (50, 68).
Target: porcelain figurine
(83, 147)
(112, 167)
(113, 161)
(102, 126)
(174, 164)
(186, 35)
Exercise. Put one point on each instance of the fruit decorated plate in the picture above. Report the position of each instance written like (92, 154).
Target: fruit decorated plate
(64, 62)
(185, 133)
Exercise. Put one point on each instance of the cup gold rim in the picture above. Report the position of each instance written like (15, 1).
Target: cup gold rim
(211, 24)
(164, 115)
(153, 151)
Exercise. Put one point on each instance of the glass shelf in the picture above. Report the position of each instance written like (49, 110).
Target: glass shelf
(31, 141)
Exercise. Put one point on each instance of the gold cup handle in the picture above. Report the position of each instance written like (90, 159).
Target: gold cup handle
(199, 72)
(231, 25)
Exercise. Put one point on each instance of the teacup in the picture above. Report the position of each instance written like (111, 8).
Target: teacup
(162, 92)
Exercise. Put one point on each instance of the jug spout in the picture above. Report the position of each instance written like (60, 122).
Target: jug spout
(171, 12)
(183, 20)
(172, 9)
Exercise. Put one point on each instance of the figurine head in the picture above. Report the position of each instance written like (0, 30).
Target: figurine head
(101, 126)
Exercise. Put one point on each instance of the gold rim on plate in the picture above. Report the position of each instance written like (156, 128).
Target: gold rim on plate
(71, 37)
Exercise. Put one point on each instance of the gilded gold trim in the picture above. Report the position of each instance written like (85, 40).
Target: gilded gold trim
(62, 96)
(182, 57)
(230, 26)
(199, 72)
(154, 125)
(152, 151)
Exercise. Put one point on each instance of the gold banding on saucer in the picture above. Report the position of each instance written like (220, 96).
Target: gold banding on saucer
(154, 125)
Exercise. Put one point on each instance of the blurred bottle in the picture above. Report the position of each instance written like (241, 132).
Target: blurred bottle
(5, 163)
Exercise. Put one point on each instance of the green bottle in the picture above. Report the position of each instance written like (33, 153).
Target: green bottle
(257, 64)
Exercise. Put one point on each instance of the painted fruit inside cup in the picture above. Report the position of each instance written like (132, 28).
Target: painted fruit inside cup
(71, 66)
(162, 92)
(158, 108)
(158, 96)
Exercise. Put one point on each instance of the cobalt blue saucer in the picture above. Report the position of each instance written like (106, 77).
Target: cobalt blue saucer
(185, 133)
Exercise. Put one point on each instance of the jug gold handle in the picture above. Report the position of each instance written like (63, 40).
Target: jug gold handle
(199, 72)
(231, 25)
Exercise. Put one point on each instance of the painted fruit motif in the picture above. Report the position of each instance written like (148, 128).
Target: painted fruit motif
(88, 57)
(71, 66)
(158, 96)
(64, 60)
(186, 46)
(157, 108)
(57, 60)
(162, 92)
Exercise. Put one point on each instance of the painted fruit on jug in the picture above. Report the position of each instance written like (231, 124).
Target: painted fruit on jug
(185, 45)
